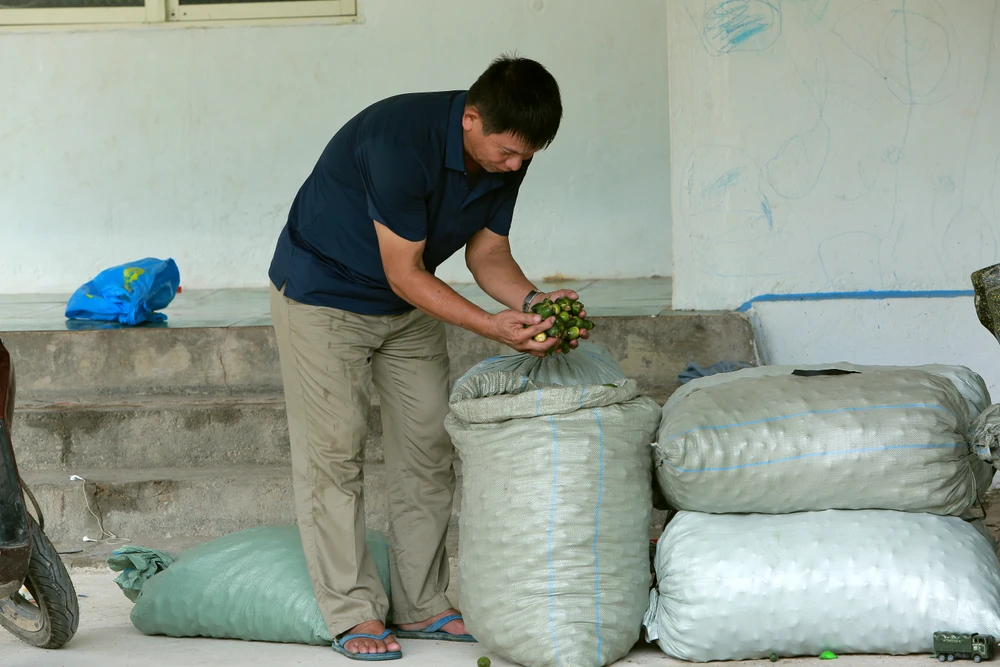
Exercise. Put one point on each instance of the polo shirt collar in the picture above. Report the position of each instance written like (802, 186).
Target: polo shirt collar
(454, 157)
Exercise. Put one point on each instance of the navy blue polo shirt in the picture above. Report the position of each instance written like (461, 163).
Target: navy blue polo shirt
(400, 162)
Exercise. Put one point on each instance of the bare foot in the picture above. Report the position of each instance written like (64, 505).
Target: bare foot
(365, 645)
(453, 628)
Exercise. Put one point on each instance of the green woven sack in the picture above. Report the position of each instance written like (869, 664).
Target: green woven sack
(250, 585)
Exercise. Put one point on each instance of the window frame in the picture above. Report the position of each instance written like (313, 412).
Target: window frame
(162, 13)
(294, 9)
(10, 17)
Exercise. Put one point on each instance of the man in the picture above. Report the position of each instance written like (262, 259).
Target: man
(400, 188)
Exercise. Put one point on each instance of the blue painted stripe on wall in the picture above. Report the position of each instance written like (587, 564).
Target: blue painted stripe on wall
(873, 295)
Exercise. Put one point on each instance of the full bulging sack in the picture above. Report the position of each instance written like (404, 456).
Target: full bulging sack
(789, 439)
(554, 544)
(734, 587)
(250, 585)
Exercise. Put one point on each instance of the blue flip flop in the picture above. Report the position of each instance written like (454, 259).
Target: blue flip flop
(433, 631)
(338, 646)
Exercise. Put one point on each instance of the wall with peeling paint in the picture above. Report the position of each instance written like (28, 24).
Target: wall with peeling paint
(832, 145)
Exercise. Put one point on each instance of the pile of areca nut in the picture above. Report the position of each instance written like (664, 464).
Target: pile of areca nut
(567, 324)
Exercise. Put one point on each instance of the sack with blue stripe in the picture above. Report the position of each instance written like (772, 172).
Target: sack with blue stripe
(743, 586)
(784, 439)
(553, 563)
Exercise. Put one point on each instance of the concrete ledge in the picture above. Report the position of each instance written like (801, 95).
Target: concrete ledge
(144, 408)
(239, 361)
(181, 432)
(152, 506)
(176, 508)
(162, 431)
(162, 503)
(140, 361)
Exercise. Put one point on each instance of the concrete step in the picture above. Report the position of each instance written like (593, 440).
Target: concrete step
(181, 433)
(172, 509)
(162, 502)
(162, 431)
(157, 505)
(144, 361)
(131, 398)
(241, 361)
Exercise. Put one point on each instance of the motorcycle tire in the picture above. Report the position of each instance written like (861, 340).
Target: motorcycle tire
(49, 620)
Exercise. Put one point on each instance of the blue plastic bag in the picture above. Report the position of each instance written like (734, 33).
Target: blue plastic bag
(129, 294)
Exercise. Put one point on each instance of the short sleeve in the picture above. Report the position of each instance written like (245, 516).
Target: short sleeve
(395, 183)
(503, 211)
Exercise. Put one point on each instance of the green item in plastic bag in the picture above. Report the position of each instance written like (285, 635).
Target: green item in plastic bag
(827, 655)
(250, 585)
(137, 565)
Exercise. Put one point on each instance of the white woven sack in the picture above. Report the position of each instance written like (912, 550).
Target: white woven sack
(774, 442)
(969, 383)
(553, 550)
(734, 587)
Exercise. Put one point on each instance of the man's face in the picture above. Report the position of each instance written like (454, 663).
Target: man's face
(493, 152)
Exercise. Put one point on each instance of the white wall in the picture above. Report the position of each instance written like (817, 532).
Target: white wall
(844, 145)
(903, 331)
(191, 143)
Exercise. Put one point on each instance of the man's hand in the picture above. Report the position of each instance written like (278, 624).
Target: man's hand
(402, 261)
(507, 327)
(572, 296)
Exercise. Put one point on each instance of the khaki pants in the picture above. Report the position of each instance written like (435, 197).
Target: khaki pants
(329, 358)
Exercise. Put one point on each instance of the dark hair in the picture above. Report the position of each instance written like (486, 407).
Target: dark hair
(519, 96)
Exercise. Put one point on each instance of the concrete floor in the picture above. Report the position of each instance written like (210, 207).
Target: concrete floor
(106, 638)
